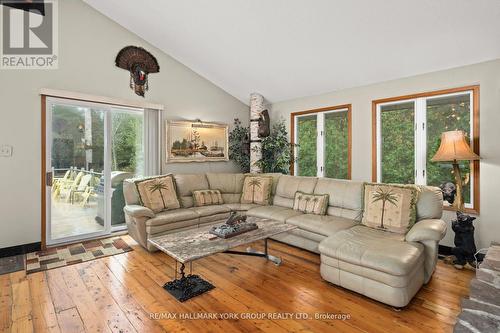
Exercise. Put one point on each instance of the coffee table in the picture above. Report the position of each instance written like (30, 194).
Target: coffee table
(187, 246)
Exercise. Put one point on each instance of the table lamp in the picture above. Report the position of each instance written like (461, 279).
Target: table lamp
(454, 148)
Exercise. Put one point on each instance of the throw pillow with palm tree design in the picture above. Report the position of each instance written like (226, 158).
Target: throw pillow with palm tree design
(158, 193)
(311, 203)
(390, 207)
(257, 189)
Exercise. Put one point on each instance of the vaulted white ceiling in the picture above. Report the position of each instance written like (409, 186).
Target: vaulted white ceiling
(286, 49)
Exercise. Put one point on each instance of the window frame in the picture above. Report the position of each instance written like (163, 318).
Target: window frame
(320, 168)
(420, 100)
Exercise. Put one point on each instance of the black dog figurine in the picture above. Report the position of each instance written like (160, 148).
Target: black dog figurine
(449, 192)
(465, 247)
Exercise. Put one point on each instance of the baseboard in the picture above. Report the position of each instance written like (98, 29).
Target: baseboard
(20, 249)
(444, 251)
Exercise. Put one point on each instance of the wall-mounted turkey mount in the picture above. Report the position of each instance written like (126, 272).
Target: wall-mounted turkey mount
(139, 63)
(33, 6)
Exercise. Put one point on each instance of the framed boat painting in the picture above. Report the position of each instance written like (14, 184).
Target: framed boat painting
(196, 141)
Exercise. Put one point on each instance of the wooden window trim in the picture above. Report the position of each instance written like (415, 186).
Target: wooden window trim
(475, 139)
(43, 174)
(348, 107)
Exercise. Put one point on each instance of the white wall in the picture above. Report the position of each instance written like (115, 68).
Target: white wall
(88, 44)
(487, 75)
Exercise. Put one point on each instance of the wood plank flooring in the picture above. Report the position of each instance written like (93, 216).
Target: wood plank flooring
(124, 293)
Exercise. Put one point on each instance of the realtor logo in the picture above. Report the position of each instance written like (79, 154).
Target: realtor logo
(29, 34)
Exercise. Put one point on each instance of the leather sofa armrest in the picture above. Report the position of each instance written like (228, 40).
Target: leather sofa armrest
(424, 230)
(138, 211)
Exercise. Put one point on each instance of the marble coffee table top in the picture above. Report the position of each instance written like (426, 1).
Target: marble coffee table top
(189, 245)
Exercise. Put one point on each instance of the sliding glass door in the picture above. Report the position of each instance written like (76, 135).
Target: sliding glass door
(91, 148)
(127, 157)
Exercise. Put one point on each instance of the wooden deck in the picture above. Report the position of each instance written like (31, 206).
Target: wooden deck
(121, 293)
(73, 220)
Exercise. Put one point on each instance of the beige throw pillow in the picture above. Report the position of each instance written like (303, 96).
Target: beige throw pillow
(257, 189)
(390, 207)
(158, 193)
(207, 197)
(311, 203)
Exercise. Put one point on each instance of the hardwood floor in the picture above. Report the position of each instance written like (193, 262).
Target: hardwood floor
(123, 292)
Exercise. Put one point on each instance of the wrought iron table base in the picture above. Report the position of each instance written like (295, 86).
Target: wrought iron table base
(255, 253)
(187, 286)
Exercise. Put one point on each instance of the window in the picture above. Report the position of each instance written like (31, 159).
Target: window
(323, 138)
(407, 134)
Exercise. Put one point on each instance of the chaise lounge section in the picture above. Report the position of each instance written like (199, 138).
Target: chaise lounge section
(381, 265)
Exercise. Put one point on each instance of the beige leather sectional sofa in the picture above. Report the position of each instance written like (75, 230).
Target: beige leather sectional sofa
(385, 266)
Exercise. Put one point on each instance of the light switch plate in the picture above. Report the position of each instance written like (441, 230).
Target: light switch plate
(5, 151)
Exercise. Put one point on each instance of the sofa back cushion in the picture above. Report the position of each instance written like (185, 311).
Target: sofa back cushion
(430, 203)
(186, 184)
(345, 197)
(230, 185)
(288, 185)
(130, 192)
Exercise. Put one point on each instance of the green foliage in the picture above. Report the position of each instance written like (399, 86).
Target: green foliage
(336, 145)
(398, 140)
(68, 131)
(127, 151)
(306, 153)
(446, 114)
(276, 150)
(239, 145)
(398, 144)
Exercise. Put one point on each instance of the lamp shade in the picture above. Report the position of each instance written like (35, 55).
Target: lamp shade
(454, 147)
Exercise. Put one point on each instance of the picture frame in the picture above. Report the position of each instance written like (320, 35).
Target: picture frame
(196, 141)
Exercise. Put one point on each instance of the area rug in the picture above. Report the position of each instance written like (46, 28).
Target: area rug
(75, 254)
(11, 264)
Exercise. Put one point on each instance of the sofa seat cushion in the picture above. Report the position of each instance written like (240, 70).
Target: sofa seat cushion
(240, 206)
(210, 210)
(379, 250)
(273, 212)
(324, 225)
(176, 215)
(396, 281)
